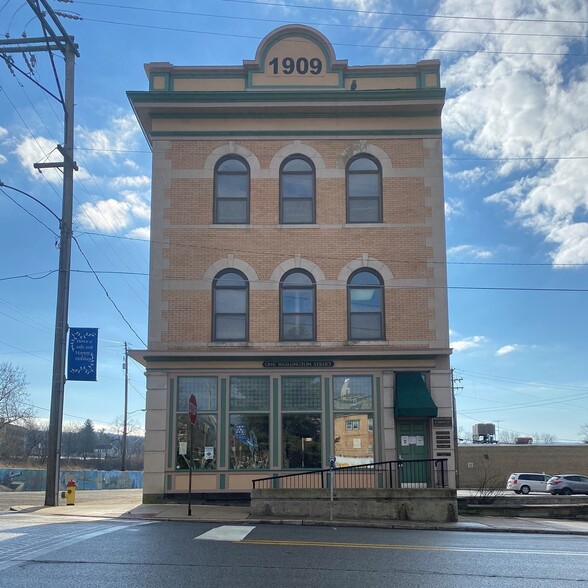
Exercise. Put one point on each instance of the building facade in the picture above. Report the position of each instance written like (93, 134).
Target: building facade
(297, 280)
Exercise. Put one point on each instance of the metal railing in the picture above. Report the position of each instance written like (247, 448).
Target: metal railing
(421, 473)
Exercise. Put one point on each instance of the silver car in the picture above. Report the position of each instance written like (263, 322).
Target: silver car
(568, 484)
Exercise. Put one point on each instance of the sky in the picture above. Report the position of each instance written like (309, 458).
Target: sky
(515, 144)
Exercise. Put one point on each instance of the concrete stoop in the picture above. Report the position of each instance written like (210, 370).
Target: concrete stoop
(431, 505)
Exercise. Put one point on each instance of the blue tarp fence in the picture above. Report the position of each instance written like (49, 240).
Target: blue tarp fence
(25, 480)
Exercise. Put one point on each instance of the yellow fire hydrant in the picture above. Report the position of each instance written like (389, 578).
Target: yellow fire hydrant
(70, 493)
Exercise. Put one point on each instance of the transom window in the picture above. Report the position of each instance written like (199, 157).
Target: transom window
(231, 191)
(297, 191)
(230, 307)
(364, 190)
(297, 300)
(365, 303)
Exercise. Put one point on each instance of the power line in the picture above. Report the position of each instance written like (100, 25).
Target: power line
(407, 14)
(327, 24)
(107, 293)
(201, 247)
(354, 45)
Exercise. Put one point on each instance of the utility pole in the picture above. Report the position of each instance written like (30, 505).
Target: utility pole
(64, 43)
(455, 439)
(123, 451)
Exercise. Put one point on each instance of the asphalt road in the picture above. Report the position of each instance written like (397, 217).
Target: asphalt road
(53, 551)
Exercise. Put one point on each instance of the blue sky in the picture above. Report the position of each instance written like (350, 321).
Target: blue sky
(516, 187)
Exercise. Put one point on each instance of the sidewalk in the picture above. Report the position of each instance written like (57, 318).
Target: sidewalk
(130, 507)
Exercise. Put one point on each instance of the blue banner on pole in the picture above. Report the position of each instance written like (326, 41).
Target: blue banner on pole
(82, 354)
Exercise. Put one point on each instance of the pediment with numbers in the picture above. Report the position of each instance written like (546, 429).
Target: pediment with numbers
(295, 56)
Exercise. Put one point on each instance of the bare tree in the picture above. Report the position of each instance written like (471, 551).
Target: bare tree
(544, 438)
(584, 433)
(15, 407)
(506, 436)
(37, 441)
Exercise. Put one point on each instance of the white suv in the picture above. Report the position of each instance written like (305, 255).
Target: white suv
(525, 483)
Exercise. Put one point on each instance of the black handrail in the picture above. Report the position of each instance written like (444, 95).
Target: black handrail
(417, 473)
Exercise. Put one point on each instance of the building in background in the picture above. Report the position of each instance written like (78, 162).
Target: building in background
(298, 278)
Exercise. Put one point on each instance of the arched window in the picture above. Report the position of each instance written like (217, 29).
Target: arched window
(297, 307)
(297, 191)
(365, 303)
(364, 190)
(231, 191)
(230, 307)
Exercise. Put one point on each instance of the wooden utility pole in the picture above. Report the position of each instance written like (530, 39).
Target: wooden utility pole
(123, 451)
(64, 44)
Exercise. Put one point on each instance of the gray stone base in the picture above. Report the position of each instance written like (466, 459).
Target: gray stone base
(423, 505)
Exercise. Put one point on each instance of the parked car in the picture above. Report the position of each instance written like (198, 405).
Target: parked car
(525, 483)
(568, 484)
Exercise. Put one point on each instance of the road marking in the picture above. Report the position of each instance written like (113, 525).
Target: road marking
(227, 533)
(35, 553)
(411, 547)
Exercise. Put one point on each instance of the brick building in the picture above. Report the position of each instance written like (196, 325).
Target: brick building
(488, 466)
(298, 279)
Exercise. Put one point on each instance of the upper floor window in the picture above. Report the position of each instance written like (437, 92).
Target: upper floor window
(364, 190)
(230, 307)
(297, 191)
(231, 191)
(365, 303)
(297, 305)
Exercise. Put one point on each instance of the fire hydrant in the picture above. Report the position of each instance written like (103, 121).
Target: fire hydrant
(70, 493)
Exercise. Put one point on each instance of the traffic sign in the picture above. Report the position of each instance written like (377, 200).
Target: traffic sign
(192, 408)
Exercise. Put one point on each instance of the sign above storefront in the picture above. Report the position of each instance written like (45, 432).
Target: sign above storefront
(299, 364)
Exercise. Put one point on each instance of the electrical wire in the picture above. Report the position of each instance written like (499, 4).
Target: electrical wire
(107, 293)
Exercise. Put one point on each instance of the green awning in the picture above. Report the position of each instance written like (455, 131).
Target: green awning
(413, 398)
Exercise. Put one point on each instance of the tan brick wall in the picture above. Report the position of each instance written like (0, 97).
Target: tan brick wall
(495, 463)
(402, 243)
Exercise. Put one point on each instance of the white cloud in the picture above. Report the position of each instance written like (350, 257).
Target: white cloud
(3, 132)
(130, 181)
(39, 150)
(506, 349)
(468, 343)
(523, 98)
(3, 159)
(108, 216)
(469, 251)
(468, 177)
(120, 135)
(114, 215)
(140, 233)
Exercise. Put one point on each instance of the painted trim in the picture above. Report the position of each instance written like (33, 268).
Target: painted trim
(328, 442)
(276, 424)
(378, 444)
(289, 115)
(222, 481)
(171, 425)
(223, 425)
(169, 482)
(235, 97)
(323, 355)
(295, 133)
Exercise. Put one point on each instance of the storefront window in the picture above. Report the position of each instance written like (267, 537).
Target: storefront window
(249, 404)
(205, 430)
(301, 422)
(353, 420)
(249, 441)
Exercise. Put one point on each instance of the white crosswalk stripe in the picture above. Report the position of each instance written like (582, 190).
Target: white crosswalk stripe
(227, 533)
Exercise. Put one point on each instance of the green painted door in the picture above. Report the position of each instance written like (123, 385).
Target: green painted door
(412, 443)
